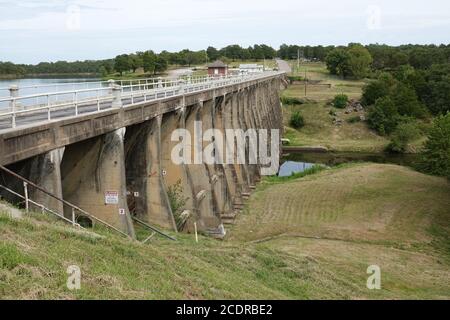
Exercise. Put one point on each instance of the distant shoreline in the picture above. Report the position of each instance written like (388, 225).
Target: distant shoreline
(48, 75)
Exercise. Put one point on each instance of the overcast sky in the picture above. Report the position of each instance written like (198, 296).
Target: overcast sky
(48, 30)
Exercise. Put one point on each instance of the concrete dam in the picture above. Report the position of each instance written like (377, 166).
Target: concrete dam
(108, 156)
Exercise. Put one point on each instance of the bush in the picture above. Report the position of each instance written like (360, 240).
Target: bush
(340, 101)
(297, 120)
(435, 159)
(403, 134)
(354, 119)
(407, 103)
(291, 100)
(295, 78)
(177, 203)
(383, 116)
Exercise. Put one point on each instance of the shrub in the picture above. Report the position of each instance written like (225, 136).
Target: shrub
(403, 134)
(435, 159)
(291, 100)
(354, 119)
(383, 116)
(177, 203)
(295, 78)
(340, 101)
(407, 103)
(297, 120)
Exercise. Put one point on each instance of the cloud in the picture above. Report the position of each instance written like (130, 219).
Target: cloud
(109, 27)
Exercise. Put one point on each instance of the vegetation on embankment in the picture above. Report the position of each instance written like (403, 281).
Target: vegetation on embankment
(350, 217)
(331, 127)
(356, 215)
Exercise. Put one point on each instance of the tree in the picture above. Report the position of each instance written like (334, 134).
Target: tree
(373, 91)
(436, 154)
(337, 62)
(160, 64)
(102, 70)
(122, 63)
(149, 61)
(383, 116)
(212, 53)
(359, 61)
(402, 135)
(406, 102)
(135, 61)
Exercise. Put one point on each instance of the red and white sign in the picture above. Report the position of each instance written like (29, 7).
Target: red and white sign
(111, 197)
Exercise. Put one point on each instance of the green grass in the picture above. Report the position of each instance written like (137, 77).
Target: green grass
(293, 176)
(322, 231)
(36, 252)
(319, 129)
(357, 215)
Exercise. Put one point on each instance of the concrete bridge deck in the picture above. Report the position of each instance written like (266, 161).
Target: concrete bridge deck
(110, 155)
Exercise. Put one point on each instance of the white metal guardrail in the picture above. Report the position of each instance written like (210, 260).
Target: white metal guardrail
(19, 110)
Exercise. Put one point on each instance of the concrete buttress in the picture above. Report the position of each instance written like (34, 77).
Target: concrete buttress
(93, 178)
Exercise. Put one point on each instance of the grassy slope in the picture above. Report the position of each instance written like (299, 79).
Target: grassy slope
(397, 218)
(346, 219)
(319, 129)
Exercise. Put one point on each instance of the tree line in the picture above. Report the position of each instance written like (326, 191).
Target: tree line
(354, 60)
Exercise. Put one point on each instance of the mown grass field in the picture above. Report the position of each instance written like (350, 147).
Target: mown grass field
(307, 238)
(348, 218)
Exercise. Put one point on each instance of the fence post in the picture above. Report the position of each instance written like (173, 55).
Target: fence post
(117, 96)
(182, 86)
(13, 93)
(25, 191)
(73, 217)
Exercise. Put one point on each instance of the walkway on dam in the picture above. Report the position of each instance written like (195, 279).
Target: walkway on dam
(19, 111)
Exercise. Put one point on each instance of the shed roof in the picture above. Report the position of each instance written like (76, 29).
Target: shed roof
(217, 64)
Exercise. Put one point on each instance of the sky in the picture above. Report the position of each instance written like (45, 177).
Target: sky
(32, 31)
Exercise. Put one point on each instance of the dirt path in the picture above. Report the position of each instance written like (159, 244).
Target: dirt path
(283, 66)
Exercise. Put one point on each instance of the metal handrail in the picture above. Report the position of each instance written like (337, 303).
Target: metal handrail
(74, 208)
(143, 90)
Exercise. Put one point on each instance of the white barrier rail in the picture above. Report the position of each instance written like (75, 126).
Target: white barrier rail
(53, 105)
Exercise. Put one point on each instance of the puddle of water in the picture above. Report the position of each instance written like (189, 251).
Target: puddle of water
(295, 162)
(290, 167)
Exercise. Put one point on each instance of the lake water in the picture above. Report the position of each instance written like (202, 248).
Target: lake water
(31, 86)
(40, 85)
(294, 162)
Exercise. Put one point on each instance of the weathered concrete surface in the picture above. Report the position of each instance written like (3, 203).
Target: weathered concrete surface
(24, 142)
(216, 172)
(147, 193)
(43, 170)
(228, 173)
(198, 175)
(97, 159)
(46, 173)
(175, 174)
(93, 168)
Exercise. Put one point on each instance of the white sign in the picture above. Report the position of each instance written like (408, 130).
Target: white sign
(136, 194)
(111, 197)
(122, 212)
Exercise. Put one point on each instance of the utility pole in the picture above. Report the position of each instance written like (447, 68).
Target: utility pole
(306, 81)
